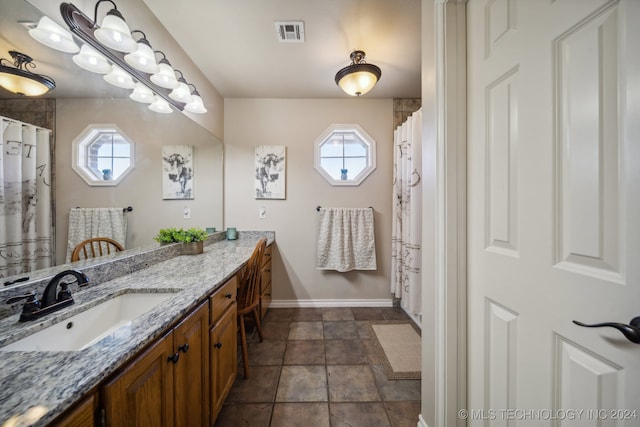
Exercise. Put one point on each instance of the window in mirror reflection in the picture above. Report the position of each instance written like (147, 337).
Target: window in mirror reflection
(345, 155)
(103, 155)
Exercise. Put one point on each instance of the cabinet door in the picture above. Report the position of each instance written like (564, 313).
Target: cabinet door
(224, 362)
(142, 394)
(191, 372)
(82, 415)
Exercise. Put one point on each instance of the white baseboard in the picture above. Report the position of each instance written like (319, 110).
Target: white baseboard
(322, 303)
(421, 421)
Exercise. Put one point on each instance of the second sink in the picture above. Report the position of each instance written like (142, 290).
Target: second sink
(90, 326)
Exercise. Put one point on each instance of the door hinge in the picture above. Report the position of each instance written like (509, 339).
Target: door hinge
(103, 417)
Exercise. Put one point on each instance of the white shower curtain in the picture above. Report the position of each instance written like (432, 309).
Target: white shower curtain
(25, 198)
(407, 209)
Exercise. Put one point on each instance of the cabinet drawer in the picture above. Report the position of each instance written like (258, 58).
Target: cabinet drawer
(223, 298)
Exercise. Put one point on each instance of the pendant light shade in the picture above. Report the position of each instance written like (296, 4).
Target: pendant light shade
(91, 60)
(182, 92)
(159, 105)
(53, 35)
(165, 77)
(196, 105)
(114, 32)
(119, 78)
(20, 80)
(143, 58)
(141, 93)
(359, 77)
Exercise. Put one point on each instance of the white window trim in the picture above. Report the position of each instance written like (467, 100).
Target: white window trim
(79, 154)
(364, 136)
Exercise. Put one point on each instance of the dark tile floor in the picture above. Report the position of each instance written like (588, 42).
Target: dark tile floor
(317, 367)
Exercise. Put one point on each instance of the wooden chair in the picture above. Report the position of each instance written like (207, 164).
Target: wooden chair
(249, 298)
(96, 246)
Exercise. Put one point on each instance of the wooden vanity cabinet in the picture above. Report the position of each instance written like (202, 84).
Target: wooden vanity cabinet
(265, 282)
(223, 343)
(168, 383)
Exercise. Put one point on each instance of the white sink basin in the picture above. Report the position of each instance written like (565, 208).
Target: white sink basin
(90, 326)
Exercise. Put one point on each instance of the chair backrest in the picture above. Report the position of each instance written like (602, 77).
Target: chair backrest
(249, 288)
(96, 246)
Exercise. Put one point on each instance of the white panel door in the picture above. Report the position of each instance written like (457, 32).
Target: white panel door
(554, 211)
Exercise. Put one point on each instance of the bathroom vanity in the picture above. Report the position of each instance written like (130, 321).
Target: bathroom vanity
(172, 365)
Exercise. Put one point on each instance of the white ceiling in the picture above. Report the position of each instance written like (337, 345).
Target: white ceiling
(234, 44)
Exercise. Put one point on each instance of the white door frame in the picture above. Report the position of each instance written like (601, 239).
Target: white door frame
(444, 261)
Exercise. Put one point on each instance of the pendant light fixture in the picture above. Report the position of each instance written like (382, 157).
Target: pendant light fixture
(91, 60)
(359, 77)
(159, 105)
(53, 35)
(119, 78)
(165, 77)
(142, 58)
(20, 80)
(114, 31)
(143, 94)
(196, 105)
(182, 92)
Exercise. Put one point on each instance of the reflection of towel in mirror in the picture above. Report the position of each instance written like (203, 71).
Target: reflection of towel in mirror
(346, 239)
(85, 223)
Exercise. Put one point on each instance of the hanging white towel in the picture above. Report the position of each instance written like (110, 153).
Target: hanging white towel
(346, 240)
(85, 223)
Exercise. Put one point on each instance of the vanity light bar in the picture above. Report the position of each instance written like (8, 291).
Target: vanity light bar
(83, 27)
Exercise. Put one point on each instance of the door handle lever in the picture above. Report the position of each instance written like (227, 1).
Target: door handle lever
(630, 331)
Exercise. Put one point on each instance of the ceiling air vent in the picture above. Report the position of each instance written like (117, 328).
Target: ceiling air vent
(290, 31)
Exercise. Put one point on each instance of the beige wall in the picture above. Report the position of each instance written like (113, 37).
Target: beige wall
(142, 188)
(296, 124)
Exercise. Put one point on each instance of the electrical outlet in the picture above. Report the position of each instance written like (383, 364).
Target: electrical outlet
(186, 214)
(262, 212)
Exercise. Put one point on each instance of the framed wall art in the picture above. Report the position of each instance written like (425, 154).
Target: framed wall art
(270, 165)
(177, 172)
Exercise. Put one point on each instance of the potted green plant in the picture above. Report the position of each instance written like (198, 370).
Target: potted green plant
(192, 239)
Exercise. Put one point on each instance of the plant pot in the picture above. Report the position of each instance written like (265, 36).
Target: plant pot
(192, 248)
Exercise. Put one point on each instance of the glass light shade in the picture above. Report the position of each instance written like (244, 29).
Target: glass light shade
(53, 35)
(196, 105)
(141, 93)
(91, 60)
(115, 33)
(159, 105)
(359, 80)
(119, 78)
(181, 93)
(22, 83)
(143, 59)
(165, 77)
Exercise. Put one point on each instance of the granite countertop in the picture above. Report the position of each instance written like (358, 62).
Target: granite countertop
(37, 386)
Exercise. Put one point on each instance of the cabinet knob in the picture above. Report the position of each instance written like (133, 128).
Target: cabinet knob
(218, 345)
(174, 357)
(184, 347)
(229, 295)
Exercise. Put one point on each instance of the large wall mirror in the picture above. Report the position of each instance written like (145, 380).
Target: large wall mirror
(82, 99)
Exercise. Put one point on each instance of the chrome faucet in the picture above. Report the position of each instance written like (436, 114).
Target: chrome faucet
(52, 300)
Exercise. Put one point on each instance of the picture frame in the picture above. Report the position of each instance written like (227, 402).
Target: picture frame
(270, 171)
(177, 172)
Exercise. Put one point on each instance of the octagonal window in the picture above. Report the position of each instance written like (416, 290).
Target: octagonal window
(345, 155)
(103, 155)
